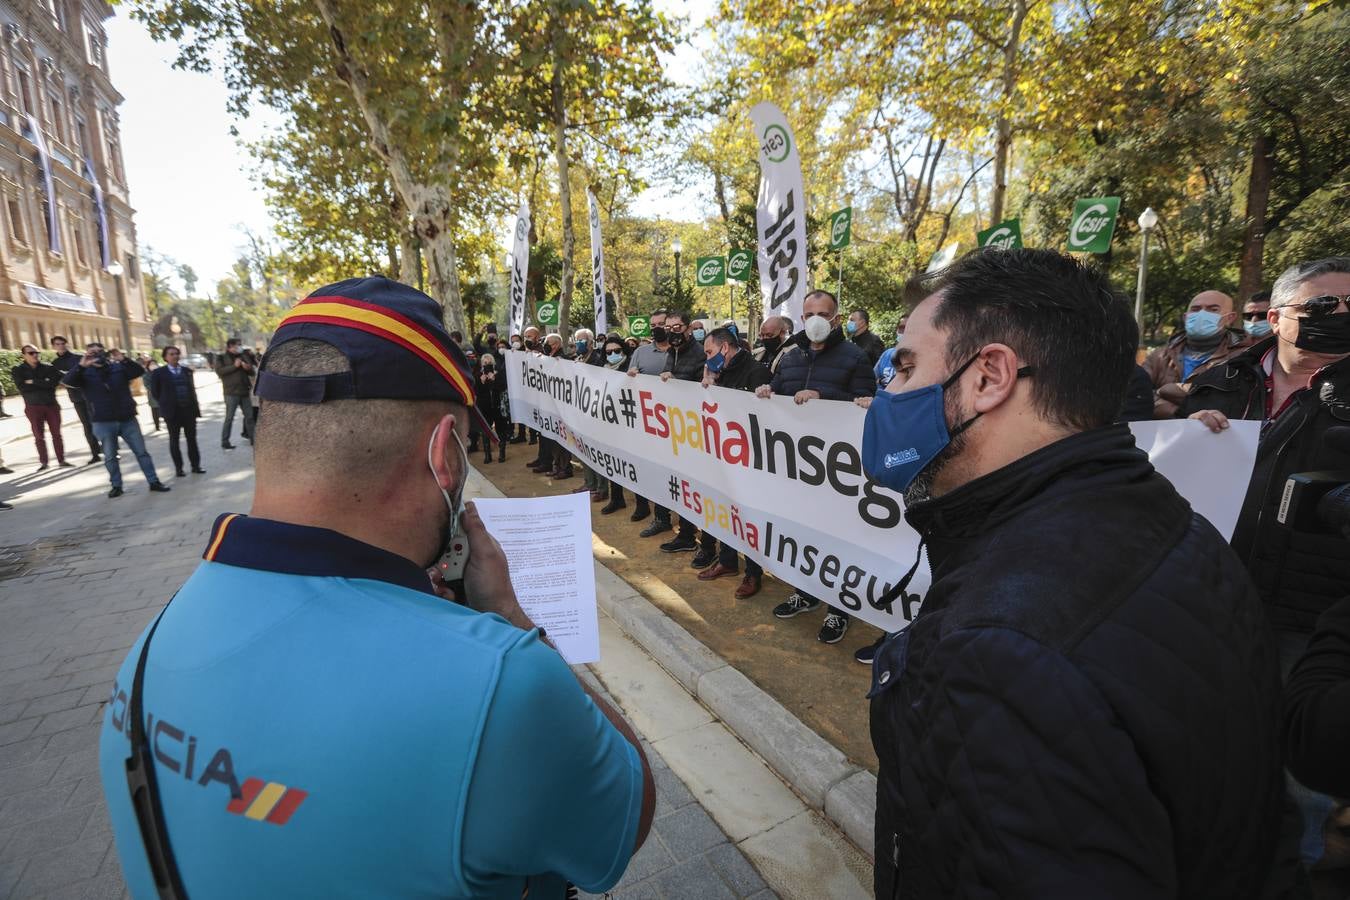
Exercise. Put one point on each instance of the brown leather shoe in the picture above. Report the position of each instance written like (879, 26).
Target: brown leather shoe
(716, 570)
(748, 587)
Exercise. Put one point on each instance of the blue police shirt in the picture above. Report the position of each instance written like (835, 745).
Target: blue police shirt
(324, 725)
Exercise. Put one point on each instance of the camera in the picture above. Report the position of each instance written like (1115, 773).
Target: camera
(1319, 502)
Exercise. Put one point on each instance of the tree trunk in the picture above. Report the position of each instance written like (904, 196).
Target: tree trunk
(431, 222)
(1258, 197)
(1003, 125)
(406, 263)
(564, 196)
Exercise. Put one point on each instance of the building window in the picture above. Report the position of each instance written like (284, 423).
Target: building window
(133, 269)
(58, 112)
(17, 232)
(25, 91)
(82, 135)
(77, 232)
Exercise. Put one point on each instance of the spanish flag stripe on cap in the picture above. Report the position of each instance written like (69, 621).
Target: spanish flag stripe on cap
(345, 312)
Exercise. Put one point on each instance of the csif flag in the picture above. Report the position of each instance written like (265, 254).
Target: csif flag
(520, 270)
(1093, 223)
(1003, 236)
(711, 271)
(738, 264)
(780, 215)
(841, 228)
(597, 269)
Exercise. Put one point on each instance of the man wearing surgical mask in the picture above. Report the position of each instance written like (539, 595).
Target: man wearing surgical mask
(1088, 694)
(1209, 338)
(1297, 383)
(820, 365)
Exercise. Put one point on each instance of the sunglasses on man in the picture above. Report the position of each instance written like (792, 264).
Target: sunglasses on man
(1316, 307)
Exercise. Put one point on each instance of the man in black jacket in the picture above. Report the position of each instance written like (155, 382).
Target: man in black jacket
(1296, 382)
(859, 328)
(105, 377)
(820, 365)
(37, 381)
(64, 362)
(685, 363)
(1087, 704)
(171, 386)
(730, 366)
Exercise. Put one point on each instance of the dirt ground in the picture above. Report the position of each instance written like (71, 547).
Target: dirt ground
(822, 685)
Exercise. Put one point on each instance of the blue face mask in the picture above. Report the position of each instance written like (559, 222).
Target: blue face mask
(735, 332)
(699, 334)
(716, 362)
(581, 346)
(905, 432)
(851, 326)
(614, 358)
(1202, 324)
(1259, 328)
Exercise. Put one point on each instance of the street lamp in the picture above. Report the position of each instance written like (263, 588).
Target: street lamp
(677, 247)
(229, 320)
(115, 270)
(1147, 220)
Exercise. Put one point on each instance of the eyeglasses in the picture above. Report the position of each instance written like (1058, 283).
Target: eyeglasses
(30, 353)
(1254, 316)
(1316, 307)
(674, 326)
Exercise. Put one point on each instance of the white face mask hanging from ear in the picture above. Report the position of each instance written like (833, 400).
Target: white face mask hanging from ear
(449, 549)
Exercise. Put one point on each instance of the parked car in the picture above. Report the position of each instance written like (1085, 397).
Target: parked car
(195, 361)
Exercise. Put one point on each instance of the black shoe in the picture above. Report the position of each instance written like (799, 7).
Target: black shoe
(639, 514)
(6, 470)
(115, 492)
(518, 439)
(5, 415)
(159, 487)
(4, 505)
(198, 470)
(534, 439)
(832, 632)
(487, 457)
(702, 559)
(227, 446)
(865, 655)
(179, 473)
(65, 465)
(795, 605)
(44, 467)
(613, 506)
(654, 529)
(501, 453)
(679, 545)
(94, 459)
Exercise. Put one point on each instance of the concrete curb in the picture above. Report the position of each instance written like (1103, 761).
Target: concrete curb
(814, 768)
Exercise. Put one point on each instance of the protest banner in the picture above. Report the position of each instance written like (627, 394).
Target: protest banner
(597, 268)
(784, 483)
(520, 269)
(780, 215)
(710, 271)
(1093, 223)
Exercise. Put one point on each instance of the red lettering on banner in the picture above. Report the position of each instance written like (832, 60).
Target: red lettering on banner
(685, 496)
(654, 413)
(736, 449)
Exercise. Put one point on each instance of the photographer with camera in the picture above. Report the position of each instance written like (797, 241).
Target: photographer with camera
(105, 378)
(235, 368)
(1297, 383)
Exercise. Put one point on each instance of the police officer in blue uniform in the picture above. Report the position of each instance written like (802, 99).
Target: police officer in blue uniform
(309, 717)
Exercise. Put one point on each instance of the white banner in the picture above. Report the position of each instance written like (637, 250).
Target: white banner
(780, 216)
(760, 475)
(48, 186)
(41, 296)
(597, 271)
(520, 270)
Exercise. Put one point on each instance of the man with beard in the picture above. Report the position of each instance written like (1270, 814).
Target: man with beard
(317, 604)
(1087, 704)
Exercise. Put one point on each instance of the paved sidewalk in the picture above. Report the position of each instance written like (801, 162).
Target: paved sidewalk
(80, 577)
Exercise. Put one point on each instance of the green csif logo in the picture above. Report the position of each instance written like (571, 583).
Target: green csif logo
(775, 143)
(1093, 223)
(738, 265)
(1003, 236)
(711, 271)
(546, 313)
(640, 326)
(841, 228)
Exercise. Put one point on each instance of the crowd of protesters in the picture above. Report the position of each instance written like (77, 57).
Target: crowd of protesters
(1163, 645)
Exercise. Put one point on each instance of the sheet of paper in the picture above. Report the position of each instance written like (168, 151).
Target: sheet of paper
(547, 541)
(1210, 470)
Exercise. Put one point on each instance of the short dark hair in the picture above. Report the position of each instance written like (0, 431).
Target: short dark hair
(679, 314)
(1060, 316)
(59, 337)
(659, 311)
(821, 292)
(491, 328)
(723, 336)
(863, 313)
(168, 348)
(1259, 297)
(456, 336)
(89, 344)
(233, 341)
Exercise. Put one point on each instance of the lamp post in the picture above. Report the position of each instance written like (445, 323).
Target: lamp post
(677, 247)
(1147, 220)
(229, 321)
(115, 270)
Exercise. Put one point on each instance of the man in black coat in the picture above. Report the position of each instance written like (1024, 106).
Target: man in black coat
(820, 365)
(171, 386)
(859, 328)
(1087, 703)
(729, 365)
(684, 362)
(64, 362)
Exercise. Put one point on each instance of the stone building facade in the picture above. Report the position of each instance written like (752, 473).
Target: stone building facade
(65, 215)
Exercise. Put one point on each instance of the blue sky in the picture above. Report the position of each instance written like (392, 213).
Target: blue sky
(189, 176)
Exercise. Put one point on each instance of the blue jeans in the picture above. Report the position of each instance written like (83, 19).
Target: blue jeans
(245, 405)
(128, 430)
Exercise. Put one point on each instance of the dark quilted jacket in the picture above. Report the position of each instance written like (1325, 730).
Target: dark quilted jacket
(107, 389)
(838, 371)
(1087, 704)
(1299, 573)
